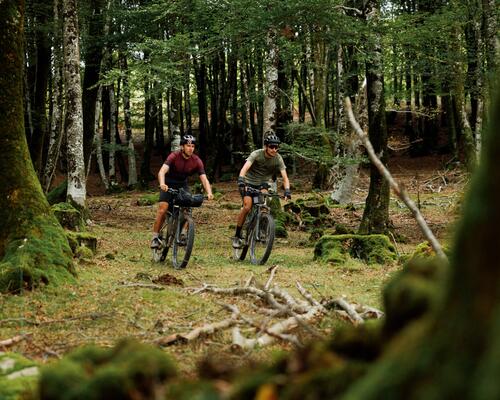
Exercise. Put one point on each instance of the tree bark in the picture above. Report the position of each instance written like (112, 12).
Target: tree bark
(93, 58)
(74, 116)
(56, 128)
(27, 257)
(376, 214)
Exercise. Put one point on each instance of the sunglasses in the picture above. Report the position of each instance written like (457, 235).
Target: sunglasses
(273, 146)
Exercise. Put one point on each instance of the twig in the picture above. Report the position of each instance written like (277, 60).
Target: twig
(143, 285)
(351, 312)
(309, 298)
(398, 189)
(278, 335)
(271, 277)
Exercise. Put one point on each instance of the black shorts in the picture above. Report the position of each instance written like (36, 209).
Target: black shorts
(168, 197)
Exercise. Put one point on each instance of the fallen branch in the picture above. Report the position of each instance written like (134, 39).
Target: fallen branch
(398, 189)
(349, 309)
(207, 329)
(240, 339)
(14, 340)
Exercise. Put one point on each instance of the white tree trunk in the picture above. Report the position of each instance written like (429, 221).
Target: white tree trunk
(271, 88)
(97, 140)
(132, 166)
(112, 133)
(74, 115)
(58, 110)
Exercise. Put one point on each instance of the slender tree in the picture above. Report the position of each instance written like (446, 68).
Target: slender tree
(74, 116)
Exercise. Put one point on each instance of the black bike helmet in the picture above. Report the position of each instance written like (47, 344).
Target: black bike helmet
(188, 139)
(272, 139)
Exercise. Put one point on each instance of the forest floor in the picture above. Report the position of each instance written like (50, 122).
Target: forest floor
(100, 306)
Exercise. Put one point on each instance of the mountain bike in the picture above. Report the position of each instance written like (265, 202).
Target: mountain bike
(178, 229)
(259, 229)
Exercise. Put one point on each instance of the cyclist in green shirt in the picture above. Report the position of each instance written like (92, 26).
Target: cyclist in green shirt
(260, 166)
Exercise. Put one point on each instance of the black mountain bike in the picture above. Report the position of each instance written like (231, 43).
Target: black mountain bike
(178, 229)
(259, 229)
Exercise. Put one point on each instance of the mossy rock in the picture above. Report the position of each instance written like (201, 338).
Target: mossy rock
(18, 376)
(148, 199)
(130, 370)
(412, 293)
(58, 194)
(314, 206)
(372, 249)
(77, 240)
(68, 216)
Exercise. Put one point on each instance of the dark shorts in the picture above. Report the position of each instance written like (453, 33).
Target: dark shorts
(167, 197)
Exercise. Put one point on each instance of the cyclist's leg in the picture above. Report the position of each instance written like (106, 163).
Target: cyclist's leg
(245, 209)
(163, 206)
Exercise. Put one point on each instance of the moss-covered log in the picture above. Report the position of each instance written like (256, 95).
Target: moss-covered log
(372, 249)
(33, 246)
(130, 370)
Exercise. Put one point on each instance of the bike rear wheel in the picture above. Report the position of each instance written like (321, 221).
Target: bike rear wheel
(183, 242)
(262, 239)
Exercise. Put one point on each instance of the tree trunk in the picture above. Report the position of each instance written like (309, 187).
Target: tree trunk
(454, 352)
(132, 168)
(93, 58)
(146, 174)
(376, 214)
(201, 91)
(74, 118)
(56, 123)
(28, 259)
(42, 66)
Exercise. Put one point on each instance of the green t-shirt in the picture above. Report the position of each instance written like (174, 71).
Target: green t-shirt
(263, 168)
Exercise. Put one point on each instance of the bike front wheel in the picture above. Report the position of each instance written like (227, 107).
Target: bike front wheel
(160, 253)
(262, 239)
(239, 253)
(183, 243)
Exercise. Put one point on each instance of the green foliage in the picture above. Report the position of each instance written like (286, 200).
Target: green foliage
(372, 249)
(129, 370)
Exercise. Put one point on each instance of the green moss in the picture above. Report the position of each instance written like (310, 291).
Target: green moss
(14, 389)
(130, 370)
(148, 199)
(58, 194)
(372, 249)
(189, 390)
(78, 239)
(41, 257)
(412, 292)
(68, 216)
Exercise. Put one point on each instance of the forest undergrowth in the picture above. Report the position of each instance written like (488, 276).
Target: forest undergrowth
(111, 298)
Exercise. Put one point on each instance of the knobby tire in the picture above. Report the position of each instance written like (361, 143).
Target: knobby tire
(181, 253)
(260, 248)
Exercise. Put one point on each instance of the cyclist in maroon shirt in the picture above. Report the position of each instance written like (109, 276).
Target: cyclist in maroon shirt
(174, 172)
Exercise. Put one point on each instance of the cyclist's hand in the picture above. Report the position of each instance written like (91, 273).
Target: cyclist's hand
(164, 187)
(288, 194)
(210, 196)
(241, 185)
